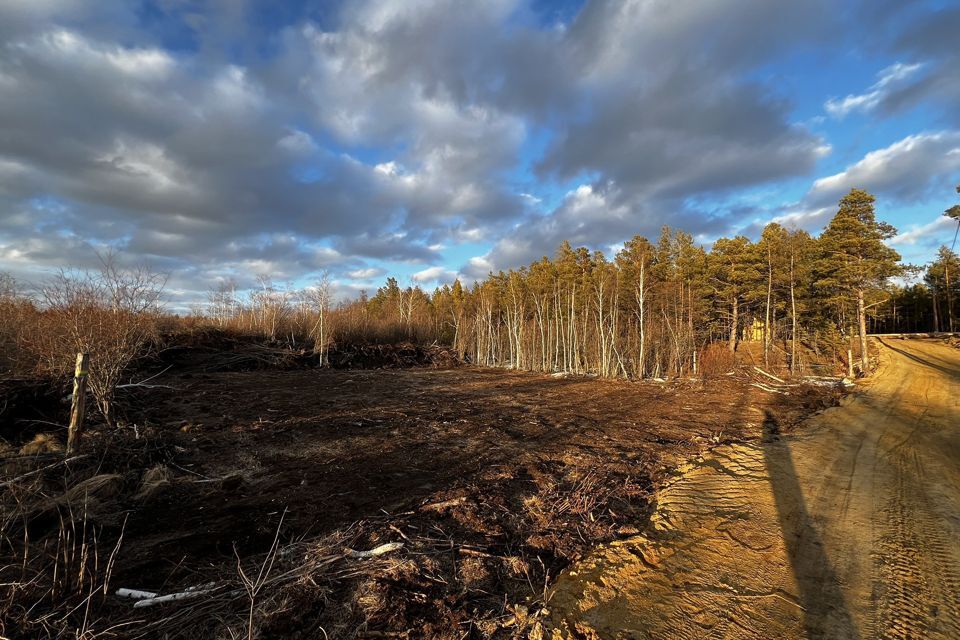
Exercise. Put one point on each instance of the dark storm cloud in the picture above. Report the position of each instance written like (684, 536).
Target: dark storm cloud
(685, 137)
(669, 113)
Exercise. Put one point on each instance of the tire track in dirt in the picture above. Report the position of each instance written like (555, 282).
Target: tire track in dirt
(850, 530)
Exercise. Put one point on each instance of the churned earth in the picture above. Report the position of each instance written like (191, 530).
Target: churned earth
(484, 483)
(848, 529)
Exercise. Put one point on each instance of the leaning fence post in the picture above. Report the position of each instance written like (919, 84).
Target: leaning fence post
(77, 408)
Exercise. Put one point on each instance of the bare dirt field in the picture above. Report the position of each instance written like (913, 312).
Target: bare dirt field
(848, 529)
(493, 481)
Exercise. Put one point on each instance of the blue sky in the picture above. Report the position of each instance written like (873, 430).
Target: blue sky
(435, 139)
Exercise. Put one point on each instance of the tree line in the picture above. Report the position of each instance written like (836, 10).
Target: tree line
(656, 308)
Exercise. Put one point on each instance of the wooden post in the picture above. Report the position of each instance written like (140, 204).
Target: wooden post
(78, 407)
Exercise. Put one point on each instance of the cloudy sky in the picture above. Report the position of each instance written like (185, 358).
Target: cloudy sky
(430, 138)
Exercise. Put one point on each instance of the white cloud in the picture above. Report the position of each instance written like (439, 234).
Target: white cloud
(75, 49)
(908, 169)
(366, 274)
(889, 79)
(914, 170)
(939, 231)
(437, 274)
(805, 218)
(144, 163)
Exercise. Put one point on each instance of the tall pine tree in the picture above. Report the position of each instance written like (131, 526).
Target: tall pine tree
(855, 260)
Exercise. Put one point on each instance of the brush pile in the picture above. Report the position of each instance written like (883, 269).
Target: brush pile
(392, 356)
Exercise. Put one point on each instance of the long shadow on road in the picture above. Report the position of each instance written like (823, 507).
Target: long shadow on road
(825, 613)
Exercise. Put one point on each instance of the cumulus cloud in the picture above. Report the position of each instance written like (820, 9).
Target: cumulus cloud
(216, 146)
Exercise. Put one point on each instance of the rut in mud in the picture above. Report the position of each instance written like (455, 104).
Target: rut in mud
(850, 529)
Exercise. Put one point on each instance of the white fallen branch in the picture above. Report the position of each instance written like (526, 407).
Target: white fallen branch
(760, 385)
(828, 381)
(376, 551)
(770, 375)
(186, 594)
(136, 594)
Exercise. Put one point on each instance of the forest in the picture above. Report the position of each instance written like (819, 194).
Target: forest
(652, 309)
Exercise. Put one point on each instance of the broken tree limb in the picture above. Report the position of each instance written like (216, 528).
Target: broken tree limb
(770, 375)
(186, 594)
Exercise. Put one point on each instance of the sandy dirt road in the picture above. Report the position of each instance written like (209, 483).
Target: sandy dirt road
(849, 530)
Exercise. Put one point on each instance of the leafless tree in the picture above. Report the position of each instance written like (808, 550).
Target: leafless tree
(318, 298)
(223, 301)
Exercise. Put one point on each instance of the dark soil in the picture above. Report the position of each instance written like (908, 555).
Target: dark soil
(493, 480)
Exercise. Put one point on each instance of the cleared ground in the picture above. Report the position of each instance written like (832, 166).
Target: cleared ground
(493, 481)
(849, 529)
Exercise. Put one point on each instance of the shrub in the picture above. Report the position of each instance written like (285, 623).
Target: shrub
(110, 314)
(716, 360)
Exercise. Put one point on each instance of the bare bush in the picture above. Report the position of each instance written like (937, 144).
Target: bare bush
(109, 313)
(716, 360)
(16, 314)
(271, 307)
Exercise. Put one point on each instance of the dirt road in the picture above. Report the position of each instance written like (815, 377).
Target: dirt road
(850, 530)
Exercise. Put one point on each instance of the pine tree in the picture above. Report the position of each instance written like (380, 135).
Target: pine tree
(854, 259)
(941, 276)
(772, 249)
(733, 269)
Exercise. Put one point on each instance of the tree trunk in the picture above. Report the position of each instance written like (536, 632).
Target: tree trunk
(862, 319)
(766, 320)
(641, 299)
(936, 313)
(946, 273)
(734, 324)
(793, 322)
